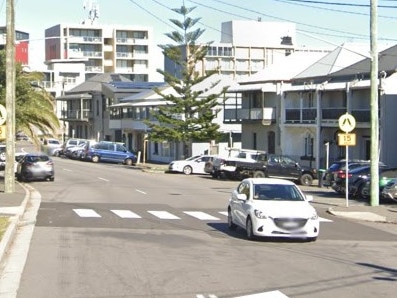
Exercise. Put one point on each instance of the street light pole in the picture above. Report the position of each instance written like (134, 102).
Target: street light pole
(374, 107)
(9, 175)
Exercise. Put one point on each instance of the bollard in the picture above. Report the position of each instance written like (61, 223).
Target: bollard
(321, 177)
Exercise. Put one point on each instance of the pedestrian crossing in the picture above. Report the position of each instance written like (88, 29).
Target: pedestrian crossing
(160, 214)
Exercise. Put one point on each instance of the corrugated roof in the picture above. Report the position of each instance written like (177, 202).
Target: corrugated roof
(94, 84)
(284, 69)
(341, 57)
(387, 62)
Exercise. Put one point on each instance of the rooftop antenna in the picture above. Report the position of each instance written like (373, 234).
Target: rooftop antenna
(93, 11)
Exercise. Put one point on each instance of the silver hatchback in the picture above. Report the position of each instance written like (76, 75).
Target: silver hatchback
(35, 166)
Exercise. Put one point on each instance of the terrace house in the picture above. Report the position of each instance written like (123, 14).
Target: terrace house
(310, 104)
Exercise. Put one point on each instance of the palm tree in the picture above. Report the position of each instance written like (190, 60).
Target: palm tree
(34, 107)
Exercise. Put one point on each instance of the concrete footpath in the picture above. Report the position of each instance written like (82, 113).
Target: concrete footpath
(13, 205)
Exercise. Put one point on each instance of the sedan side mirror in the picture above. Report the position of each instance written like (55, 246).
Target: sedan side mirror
(309, 198)
(242, 196)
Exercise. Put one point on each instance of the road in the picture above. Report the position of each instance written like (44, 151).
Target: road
(107, 230)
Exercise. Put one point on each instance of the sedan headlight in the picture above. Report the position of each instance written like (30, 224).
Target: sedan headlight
(260, 214)
(314, 216)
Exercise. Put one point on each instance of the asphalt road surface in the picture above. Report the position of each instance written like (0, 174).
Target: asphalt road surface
(106, 230)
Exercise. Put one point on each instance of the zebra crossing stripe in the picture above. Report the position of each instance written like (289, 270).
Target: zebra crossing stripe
(223, 213)
(125, 214)
(86, 213)
(201, 215)
(163, 215)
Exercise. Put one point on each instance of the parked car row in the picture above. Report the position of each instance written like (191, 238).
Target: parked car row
(245, 163)
(102, 151)
(359, 179)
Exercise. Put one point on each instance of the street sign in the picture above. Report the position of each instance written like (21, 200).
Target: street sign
(2, 132)
(3, 114)
(347, 122)
(346, 139)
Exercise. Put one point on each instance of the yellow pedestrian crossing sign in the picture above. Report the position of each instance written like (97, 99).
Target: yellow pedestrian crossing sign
(3, 114)
(347, 122)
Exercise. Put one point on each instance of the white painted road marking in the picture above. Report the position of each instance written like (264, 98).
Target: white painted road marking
(160, 214)
(86, 213)
(201, 215)
(271, 294)
(141, 191)
(103, 179)
(163, 215)
(125, 214)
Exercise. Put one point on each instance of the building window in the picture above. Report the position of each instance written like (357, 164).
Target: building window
(309, 144)
(271, 142)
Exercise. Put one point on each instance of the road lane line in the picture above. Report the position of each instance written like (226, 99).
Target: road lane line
(141, 191)
(163, 215)
(103, 179)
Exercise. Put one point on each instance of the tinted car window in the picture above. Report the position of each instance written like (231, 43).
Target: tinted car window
(37, 158)
(120, 148)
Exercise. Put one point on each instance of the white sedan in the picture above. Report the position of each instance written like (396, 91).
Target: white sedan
(272, 208)
(191, 165)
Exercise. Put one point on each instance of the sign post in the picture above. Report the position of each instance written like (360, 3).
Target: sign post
(347, 123)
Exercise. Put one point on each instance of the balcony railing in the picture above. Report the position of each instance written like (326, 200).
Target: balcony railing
(328, 115)
(83, 115)
(305, 115)
(246, 115)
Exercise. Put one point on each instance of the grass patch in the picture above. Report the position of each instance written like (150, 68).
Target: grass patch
(4, 222)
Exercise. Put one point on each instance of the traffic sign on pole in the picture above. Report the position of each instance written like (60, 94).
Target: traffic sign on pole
(347, 122)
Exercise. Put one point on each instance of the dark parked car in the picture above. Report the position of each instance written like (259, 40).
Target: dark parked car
(35, 166)
(110, 152)
(390, 190)
(362, 187)
(355, 178)
(338, 168)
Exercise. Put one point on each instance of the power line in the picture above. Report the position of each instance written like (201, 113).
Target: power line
(334, 10)
(339, 3)
(276, 18)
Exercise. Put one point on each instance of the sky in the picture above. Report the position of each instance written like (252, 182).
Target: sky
(319, 23)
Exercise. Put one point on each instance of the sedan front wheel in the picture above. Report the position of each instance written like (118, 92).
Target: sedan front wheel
(249, 229)
(230, 224)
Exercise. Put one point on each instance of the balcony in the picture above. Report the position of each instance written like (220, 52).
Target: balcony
(76, 115)
(302, 116)
(329, 116)
(93, 68)
(264, 115)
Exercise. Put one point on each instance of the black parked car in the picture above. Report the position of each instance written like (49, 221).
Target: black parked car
(338, 168)
(362, 187)
(356, 178)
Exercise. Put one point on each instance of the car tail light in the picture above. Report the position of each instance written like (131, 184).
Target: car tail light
(342, 175)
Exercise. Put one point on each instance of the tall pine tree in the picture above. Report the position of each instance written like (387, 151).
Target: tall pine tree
(187, 115)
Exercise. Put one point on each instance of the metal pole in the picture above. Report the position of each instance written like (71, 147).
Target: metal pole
(374, 108)
(9, 175)
(347, 176)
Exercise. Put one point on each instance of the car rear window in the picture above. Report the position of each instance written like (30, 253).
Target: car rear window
(37, 158)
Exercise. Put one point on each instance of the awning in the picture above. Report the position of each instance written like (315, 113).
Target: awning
(267, 87)
(74, 96)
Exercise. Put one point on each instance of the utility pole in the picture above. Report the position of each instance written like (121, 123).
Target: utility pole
(374, 107)
(9, 175)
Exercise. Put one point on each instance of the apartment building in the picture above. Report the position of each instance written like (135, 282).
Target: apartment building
(21, 44)
(247, 47)
(125, 50)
